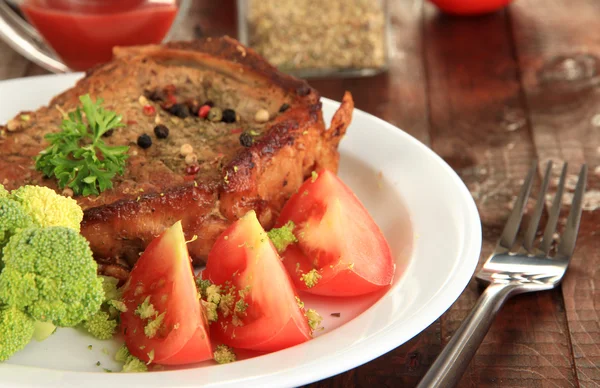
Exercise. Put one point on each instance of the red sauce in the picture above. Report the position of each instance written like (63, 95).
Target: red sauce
(83, 32)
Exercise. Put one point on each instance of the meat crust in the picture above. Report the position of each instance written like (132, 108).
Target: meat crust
(158, 188)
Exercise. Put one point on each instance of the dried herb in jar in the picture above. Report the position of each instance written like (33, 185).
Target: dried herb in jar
(316, 34)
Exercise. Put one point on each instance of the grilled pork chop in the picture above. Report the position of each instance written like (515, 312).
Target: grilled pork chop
(241, 165)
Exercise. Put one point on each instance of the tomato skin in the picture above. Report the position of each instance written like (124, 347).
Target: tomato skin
(337, 237)
(244, 256)
(470, 7)
(164, 273)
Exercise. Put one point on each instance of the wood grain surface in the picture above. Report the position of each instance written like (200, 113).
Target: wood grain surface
(490, 94)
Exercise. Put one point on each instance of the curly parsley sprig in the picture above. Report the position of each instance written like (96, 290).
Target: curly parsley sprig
(77, 155)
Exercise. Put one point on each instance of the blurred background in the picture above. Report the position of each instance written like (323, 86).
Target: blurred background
(490, 85)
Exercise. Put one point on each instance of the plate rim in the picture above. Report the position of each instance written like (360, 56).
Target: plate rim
(446, 295)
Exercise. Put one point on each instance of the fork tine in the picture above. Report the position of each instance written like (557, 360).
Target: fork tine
(554, 213)
(569, 236)
(537, 213)
(509, 233)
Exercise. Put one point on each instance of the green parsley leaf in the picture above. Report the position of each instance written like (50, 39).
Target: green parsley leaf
(77, 156)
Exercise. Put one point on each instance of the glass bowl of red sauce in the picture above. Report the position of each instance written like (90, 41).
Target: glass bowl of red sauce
(83, 33)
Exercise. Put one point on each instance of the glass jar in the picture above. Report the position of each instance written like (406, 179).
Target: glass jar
(318, 38)
(65, 35)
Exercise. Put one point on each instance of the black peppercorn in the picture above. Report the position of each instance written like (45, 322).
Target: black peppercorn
(155, 95)
(161, 131)
(246, 139)
(144, 141)
(229, 116)
(108, 133)
(284, 107)
(179, 110)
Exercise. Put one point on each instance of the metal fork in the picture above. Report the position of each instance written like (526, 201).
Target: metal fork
(507, 272)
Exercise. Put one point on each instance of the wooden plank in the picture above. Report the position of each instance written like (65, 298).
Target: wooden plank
(559, 54)
(479, 125)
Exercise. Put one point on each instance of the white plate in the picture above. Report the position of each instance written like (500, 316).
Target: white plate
(389, 171)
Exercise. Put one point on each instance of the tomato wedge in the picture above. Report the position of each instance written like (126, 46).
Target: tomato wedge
(163, 278)
(340, 250)
(266, 315)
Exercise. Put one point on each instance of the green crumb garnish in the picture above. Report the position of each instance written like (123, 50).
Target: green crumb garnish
(146, 309)
(314, 319)
(118, 305)
(240, 306)
(150, 357)
(313, 176)
(152, 327)
(224, 354)
(311, 278)
(283, 237)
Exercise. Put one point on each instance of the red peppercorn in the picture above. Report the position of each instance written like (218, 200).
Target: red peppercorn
(203, 112)
(192, 169)
(171, 99)
(149, 110)
(236, 130)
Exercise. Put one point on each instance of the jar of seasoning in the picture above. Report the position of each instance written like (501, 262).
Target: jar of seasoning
(317, 38)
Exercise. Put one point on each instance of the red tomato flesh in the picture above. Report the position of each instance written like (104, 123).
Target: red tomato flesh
(337, 237)
(164, 273)
(244, 257)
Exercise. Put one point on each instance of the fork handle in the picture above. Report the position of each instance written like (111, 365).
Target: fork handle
(448, 368)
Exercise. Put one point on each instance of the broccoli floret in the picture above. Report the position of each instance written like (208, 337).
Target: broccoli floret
(224, 354)
(131, 363)
(103, 324)
(16, 330)
(3, 191)
(51, 274)
(12, 219)
(282, 237)
(311, 278)
(43, 330)
(100, 325)
(122, 354)
(48, 208)
(109, 285)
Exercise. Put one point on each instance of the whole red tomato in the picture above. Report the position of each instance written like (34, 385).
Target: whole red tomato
(470, 7)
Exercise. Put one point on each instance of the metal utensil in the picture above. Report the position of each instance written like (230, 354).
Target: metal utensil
(509, 272)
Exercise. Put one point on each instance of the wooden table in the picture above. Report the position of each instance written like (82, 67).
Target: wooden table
(489, 94)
